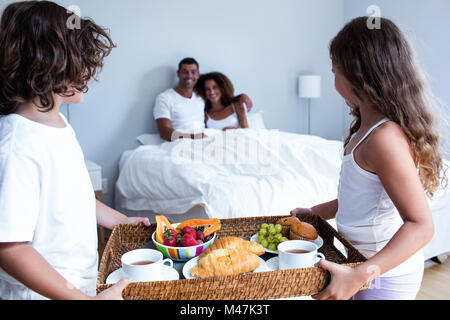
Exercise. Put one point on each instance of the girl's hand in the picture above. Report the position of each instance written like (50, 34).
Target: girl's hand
(345, 282)
(131, 220)
(115, 292)
(301, 211)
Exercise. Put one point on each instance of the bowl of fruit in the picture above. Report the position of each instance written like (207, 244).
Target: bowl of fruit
(186, 240)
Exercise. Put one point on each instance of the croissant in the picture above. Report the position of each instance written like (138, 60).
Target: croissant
(234, 243)
(221, 262)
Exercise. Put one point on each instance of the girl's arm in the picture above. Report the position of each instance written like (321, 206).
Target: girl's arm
(109, 218)
(240, 110)
(326, 210)
(26, 265)
(387, 153)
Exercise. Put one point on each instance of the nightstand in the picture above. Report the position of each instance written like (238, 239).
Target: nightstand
(95, 173)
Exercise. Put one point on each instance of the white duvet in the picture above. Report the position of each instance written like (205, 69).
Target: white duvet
(240, 173)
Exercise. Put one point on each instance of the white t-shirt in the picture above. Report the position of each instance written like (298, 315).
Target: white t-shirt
(47, 200)
(186, 115)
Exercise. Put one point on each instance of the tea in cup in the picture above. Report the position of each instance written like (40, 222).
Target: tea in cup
(144, 265)
(294, 254)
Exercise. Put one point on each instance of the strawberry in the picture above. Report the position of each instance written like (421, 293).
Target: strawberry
(188, 240)
(188, 229)
(172, 242)
(170, 238)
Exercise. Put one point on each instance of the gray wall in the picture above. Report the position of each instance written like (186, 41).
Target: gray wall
(262, 45)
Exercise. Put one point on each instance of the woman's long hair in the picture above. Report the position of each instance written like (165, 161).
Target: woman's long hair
(41, 56)
(224, 84)
(382, 68)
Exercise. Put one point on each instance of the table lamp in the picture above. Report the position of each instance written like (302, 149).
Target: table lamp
(309, 87)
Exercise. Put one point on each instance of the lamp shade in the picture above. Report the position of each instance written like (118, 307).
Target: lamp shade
(309, 86)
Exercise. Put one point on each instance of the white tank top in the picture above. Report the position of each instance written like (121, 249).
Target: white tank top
(230, 121)
(366, 215)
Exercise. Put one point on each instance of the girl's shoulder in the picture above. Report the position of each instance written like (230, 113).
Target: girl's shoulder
(387, 135)
(386, 143)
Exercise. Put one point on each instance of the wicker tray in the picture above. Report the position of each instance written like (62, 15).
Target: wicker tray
(249, 286)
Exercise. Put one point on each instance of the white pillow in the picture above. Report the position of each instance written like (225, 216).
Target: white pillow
(255, 120)
(150, 139)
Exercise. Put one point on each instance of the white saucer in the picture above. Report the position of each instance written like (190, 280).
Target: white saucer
(168, 274)
(272, 263)
(191, 263)
(318, 242)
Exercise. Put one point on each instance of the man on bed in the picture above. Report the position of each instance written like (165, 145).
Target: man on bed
(179, 112)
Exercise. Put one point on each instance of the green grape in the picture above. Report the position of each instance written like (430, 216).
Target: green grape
(263, 232)
(260, 238)
(272, 246)
(278, 236)
(264, 226)
(272, 230)
(283, 239)
(264, 243)
(278, 228)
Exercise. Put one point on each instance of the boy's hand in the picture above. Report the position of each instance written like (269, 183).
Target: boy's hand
(115, 292)
(132, 220)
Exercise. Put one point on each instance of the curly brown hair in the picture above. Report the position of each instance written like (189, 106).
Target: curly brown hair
(225, 85)
(384, 73)
(40, 56)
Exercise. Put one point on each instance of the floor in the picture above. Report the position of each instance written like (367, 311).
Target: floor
(436, 281)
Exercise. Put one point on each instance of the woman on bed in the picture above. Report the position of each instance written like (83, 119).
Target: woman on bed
(223, 110)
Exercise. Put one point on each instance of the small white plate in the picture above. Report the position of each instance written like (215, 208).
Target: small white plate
(168, 274)
(318, 242)
(272, 263)
(191, 263)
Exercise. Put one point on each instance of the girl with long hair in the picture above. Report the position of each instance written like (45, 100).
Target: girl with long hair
(391, 164)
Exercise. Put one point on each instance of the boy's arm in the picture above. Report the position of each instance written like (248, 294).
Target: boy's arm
(25, 264)
(109, 218)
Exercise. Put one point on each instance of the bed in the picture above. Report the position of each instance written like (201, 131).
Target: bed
(241, 173)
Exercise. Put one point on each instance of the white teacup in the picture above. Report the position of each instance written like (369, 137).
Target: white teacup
(142, 265)
(294, 254)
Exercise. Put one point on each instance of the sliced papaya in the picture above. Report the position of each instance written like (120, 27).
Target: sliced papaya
(162, 225)
(206, 226)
